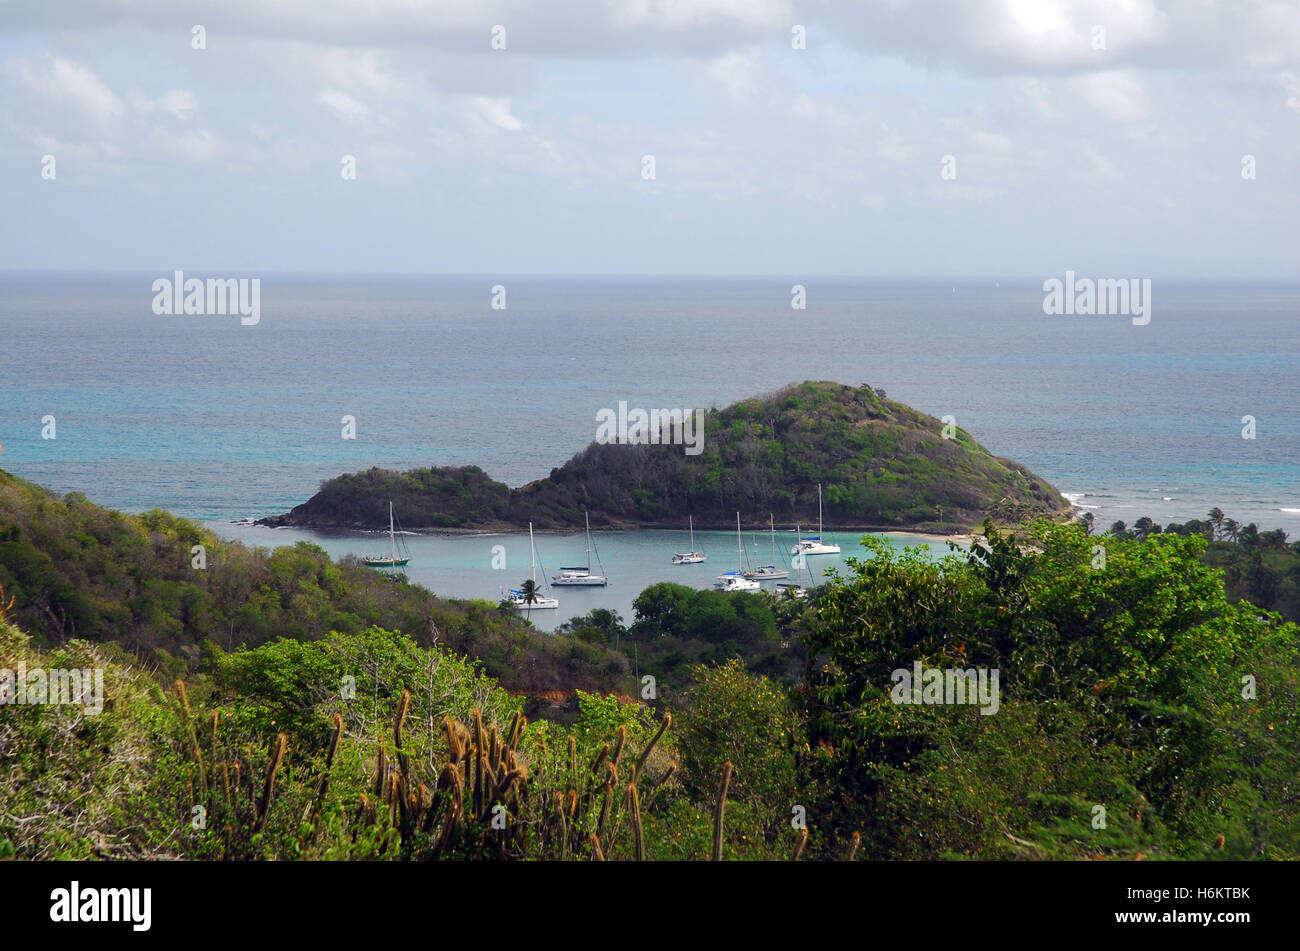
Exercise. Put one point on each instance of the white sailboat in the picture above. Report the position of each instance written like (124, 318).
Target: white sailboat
(769, 572)
(736, 580)
(794, 588)
(813, 544)
(390, 560)
(583, 576)
(691, 557)
(539, 603)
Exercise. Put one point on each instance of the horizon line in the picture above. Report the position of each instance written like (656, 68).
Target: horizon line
(701, 275)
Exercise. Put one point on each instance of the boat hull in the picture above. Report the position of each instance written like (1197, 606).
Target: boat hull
(541, 604)
(767, 574)
(580, 581)
(815, 548)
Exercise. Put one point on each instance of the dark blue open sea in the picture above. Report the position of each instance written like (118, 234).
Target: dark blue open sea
(221, 422)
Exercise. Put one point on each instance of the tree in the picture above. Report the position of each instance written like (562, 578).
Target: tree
(1137, 662)
(530, 594)
(598, 626)
(1216, 519)
(732, 715)
(1274, 539)
(662, 610)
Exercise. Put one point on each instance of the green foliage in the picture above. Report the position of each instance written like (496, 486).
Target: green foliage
(1140, 663)
(730, 715)
(677, 628)
(882, 464)
(267, 759)
(77, 570)
(1134, 688)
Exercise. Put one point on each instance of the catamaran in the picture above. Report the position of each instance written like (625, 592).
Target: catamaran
(691, 557)
(390, 560)
(813, 544)
(539, 603)
(736, 580)
(583, 576)
(769, 572)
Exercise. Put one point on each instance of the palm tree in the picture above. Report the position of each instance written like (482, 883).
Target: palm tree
(1216, 519)
(1118, 530)
(529, 591)
(1273, 539)
(1142, 528)
(1231, 528)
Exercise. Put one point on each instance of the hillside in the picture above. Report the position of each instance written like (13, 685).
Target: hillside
(883, 465)
(1138, 693)
(77, 570)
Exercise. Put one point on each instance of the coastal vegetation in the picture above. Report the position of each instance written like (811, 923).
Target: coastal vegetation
(1142, 709)
(79, 571)
(882, 465)
(1259, 566)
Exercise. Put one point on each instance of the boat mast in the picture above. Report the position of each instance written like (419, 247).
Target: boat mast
(740, 548)
(692, 521)
(588, 518)
(819, 513)
(392, 539)
(772, 525)
(532, 548)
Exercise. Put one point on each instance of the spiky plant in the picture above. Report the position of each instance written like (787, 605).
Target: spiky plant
(268, 788)
(718, 810)
(634, 806)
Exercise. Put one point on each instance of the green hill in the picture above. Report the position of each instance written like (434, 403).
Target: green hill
(883, 465)
(76, 570)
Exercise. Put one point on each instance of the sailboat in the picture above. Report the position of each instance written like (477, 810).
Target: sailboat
(583, 576)
(813, 544)
(390, 560)
(793, 588)
(539, 603)
(769, 572)
(736, 580)
(691, 557)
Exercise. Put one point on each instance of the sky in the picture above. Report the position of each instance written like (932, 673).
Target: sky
(980, 138)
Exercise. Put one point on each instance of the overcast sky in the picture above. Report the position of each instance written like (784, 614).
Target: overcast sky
(1125, 160)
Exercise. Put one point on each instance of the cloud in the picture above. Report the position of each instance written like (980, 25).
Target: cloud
(62, 83)
(342, 105)
(177, 103)
(496, 112)
(1291, 85)
(763, 152)
(1119, 94)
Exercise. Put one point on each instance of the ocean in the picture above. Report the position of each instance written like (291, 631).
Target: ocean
(222, 422)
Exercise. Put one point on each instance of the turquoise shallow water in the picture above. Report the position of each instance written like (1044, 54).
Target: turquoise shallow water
(218, 421)
(462, 565)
